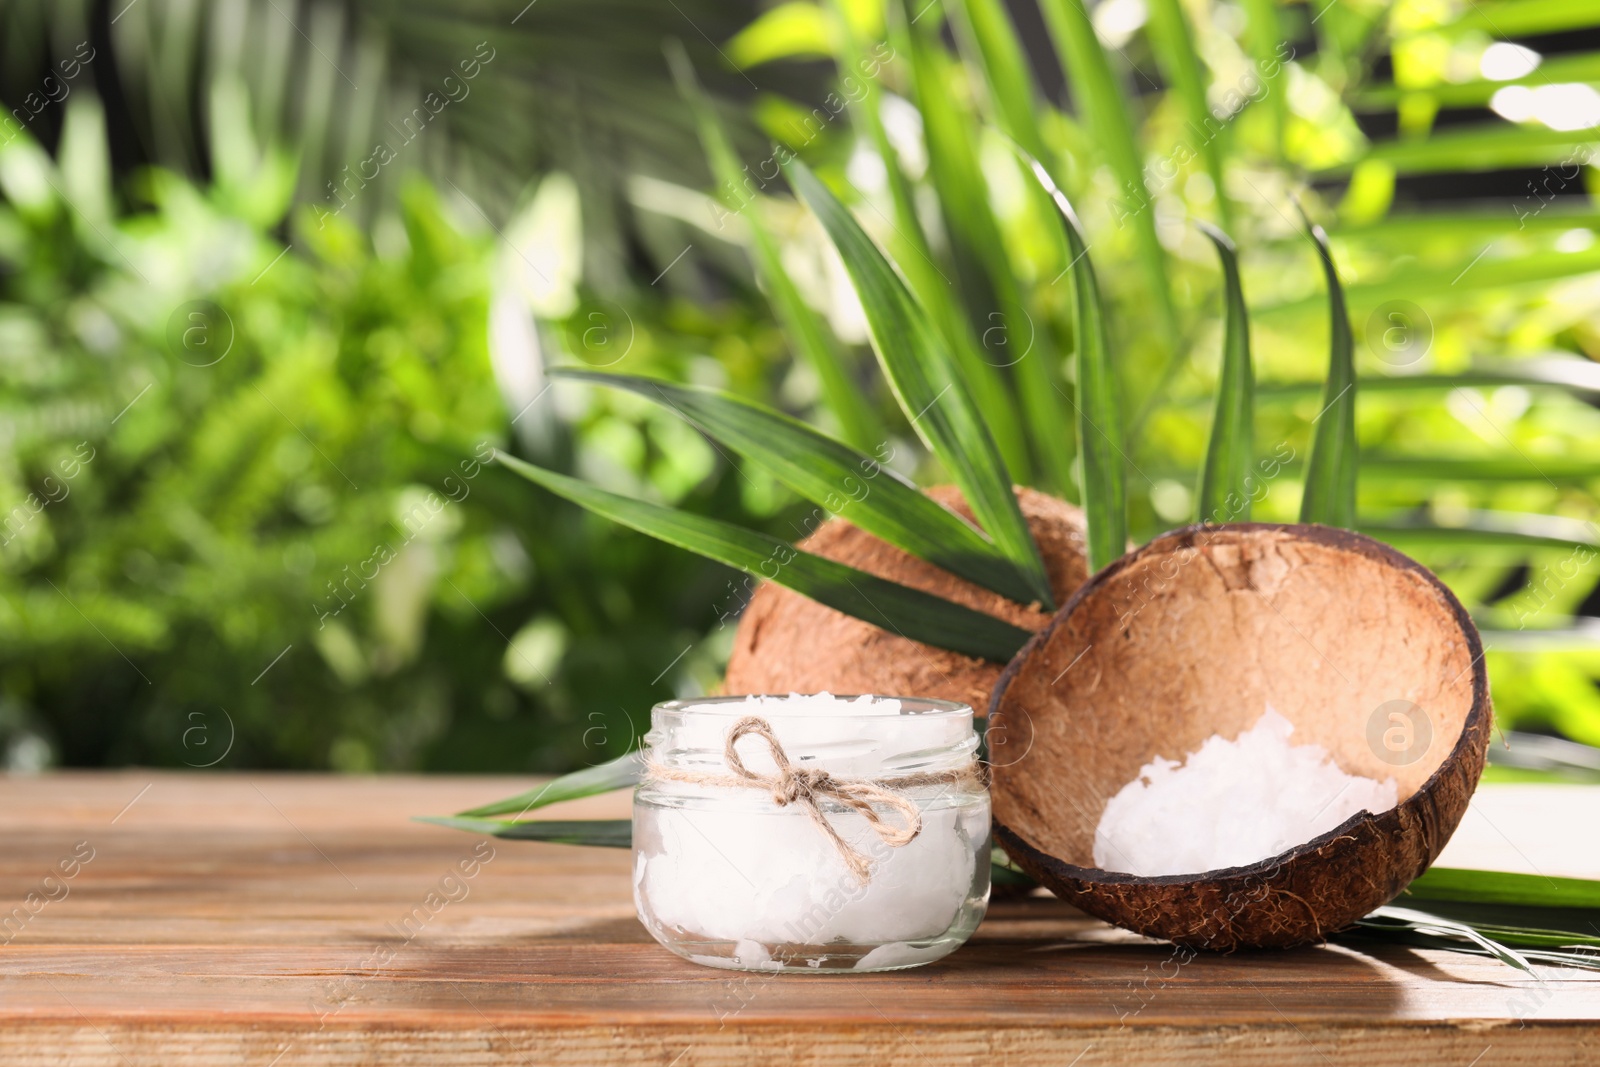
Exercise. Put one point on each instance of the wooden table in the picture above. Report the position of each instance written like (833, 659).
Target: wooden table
(293, 920)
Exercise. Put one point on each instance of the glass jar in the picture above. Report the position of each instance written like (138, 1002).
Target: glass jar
(727, 876)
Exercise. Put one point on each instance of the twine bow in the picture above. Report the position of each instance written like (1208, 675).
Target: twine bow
(806, 786)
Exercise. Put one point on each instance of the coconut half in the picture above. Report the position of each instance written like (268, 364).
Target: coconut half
(1361, 648)
(788, 643)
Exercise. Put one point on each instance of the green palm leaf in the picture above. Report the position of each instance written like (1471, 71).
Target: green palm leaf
(810, 337)
(851, 484)
(1554, 69)
(603, 833)
(620, 773)
(1459, 282)
(988, 278)
(1225, 479)
(1486, 530)
(1407, 230)
(910, 243)
(1557, 372)
(922, 371)
(909, 612)
(1264, 40)
(1531, 917)
(1524, 18)
(985, 30)
(986, 33)
(1105, 493)
(1406, 920)
(1173, 40)
(1105, 110)
(859, 76)
(1476, 148)
(1561, 469)
(1504, 887)
(1330, 490)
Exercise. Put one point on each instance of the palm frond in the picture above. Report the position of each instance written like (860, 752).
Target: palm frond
(331, 80)
(1099, 408)
(847, 483)
(898, 608)
(598, 833)
(1330, 491)
(811, 338)
(1225, 488)
(927, 382)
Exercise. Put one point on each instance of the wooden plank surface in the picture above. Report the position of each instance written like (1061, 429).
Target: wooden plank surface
(287, 920)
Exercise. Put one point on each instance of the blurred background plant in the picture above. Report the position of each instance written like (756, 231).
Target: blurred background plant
(556, 207)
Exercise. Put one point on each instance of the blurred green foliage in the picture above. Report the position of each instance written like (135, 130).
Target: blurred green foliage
(245, 508)
(292, 553)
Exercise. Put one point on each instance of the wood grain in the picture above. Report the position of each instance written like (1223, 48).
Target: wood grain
(278, 919)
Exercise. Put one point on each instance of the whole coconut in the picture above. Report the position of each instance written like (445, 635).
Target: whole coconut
(787, 642)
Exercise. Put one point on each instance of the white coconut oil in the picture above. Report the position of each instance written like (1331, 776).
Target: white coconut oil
(1231, 803)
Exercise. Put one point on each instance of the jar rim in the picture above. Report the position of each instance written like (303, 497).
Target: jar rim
(920, 734)
(730, 706)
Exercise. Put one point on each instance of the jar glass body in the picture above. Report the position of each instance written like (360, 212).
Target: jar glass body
(726, 876)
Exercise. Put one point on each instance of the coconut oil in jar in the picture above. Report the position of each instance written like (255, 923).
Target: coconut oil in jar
(726, 875)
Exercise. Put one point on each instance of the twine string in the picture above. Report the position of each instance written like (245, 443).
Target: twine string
(806, 786)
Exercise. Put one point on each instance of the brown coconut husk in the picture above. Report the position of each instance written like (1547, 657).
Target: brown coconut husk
(788, 643)
(1193, 635)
